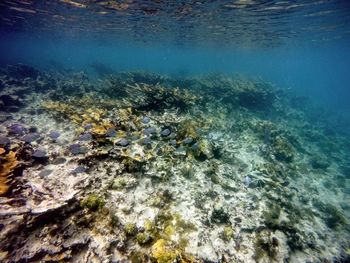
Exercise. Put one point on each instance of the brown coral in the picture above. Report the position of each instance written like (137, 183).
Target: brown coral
(7, 166)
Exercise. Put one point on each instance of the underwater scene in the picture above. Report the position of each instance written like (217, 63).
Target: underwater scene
(175, 131)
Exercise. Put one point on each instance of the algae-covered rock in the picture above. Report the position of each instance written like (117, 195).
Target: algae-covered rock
(271, 216)
(93, 202)
(332, 215)
(283, 151)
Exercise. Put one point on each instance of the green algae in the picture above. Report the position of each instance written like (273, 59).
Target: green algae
(130, 229)
(143, 238)
(227, 233)
(93, 202)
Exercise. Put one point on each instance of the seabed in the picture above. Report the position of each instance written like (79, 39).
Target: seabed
(141, 167)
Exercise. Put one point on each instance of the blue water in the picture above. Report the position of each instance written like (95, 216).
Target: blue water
(301, 45)
(319, 70)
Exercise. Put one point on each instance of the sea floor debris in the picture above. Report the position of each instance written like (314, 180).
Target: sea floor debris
(147, 168)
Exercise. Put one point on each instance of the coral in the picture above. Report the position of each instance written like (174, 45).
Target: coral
(82, 112)
(142, 238)
(213, 171)
(203, 150)
(227, 233)
(163, 253)
(283, 151)
(8, 163)
(266, 247)
(130, 229)
(332, 216)
(124, 114)
(187, 171)
(271, 217)
(220, 216)
(188, 129)
(149, 225)
(93, 202)
(169, 230)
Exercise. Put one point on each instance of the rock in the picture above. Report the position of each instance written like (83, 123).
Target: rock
(10, 100)
(4, 116)
(22, 71)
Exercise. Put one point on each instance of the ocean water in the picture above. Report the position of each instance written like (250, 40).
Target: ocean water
(174, 131)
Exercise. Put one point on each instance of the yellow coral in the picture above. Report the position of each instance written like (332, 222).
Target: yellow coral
(169, 230)
(162, 253)
(124, 114)
(9, 163)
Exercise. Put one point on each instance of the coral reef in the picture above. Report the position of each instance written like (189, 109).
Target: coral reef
(8, 163)
(141, 167)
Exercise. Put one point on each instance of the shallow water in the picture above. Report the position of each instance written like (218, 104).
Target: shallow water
(174, 131)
